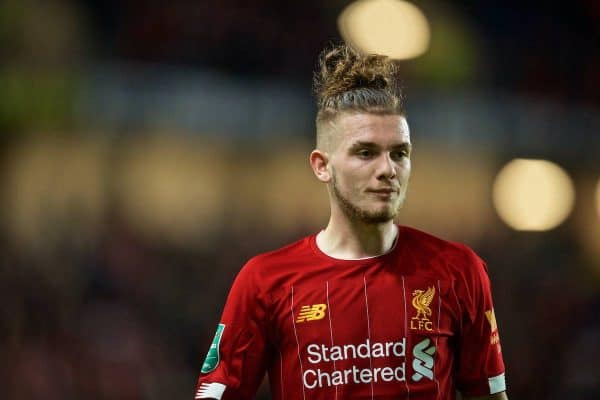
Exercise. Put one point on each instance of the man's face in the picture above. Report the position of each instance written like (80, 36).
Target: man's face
(370, 165)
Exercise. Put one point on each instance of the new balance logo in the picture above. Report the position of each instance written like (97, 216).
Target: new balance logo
(423, 362)
(311, 313)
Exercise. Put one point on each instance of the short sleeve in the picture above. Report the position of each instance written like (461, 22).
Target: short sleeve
(480, 365)
(236, 361)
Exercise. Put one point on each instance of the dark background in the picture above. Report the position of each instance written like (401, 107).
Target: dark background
(149, 148)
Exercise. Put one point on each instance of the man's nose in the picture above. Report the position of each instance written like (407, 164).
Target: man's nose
(387, 167)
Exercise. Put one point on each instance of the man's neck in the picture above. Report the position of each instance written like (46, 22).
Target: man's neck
(351, 240)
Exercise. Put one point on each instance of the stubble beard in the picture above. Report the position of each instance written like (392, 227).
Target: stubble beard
(355, 213)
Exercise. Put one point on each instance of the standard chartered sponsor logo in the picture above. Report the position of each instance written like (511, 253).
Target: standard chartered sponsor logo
(423, 361)
(319, 353)
(317, 378)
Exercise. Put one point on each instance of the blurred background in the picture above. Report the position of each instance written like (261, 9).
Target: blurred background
(149, 148)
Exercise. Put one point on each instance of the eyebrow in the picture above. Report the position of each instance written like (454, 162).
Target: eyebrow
(371, 145)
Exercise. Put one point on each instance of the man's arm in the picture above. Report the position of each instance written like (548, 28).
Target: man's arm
(480, 373)
(237, 358)
(497, 396)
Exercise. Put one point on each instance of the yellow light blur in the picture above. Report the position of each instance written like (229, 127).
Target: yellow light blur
(598, 198)
(172, 188)
(55, 185)
(394, 28)
(533, 195)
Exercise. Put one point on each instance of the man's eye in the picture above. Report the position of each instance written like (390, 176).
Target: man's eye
(398, 155)
(364, 153)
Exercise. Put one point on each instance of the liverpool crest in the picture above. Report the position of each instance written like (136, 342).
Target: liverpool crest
(421, 301)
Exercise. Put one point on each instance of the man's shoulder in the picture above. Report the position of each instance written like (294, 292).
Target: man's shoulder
(286, 255)
(428, 241)
(454, 254)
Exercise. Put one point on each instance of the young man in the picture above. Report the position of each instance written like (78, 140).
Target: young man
(365, 309)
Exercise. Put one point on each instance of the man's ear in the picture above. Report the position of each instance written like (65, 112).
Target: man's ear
(319, 161)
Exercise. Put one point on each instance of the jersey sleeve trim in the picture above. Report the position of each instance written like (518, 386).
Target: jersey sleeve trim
(210, 391)
(497, 384)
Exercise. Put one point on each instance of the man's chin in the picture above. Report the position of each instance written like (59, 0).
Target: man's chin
(378, 216)
(377, 219)
(374, 213)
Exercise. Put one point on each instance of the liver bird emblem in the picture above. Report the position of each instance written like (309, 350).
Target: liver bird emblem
(421, 301)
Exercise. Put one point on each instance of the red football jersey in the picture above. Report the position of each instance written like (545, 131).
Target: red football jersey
(415, 323)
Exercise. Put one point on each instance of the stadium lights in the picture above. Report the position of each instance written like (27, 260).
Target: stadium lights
(171, 189)
(598, 198)
(395, 28)
(533, 195)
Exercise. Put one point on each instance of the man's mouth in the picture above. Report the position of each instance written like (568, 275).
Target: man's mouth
(383, 190)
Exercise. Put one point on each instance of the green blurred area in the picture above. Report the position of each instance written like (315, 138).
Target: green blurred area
(37, 100)
(41, 46)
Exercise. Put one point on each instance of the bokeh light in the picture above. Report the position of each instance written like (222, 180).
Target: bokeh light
(395, 28)
(598, 198)
(533, 195)
(51, 183)
(171, 188)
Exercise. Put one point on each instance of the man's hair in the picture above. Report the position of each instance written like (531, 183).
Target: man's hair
(348, 81)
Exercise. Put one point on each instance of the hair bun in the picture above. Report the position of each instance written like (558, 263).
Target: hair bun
(342, 69)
